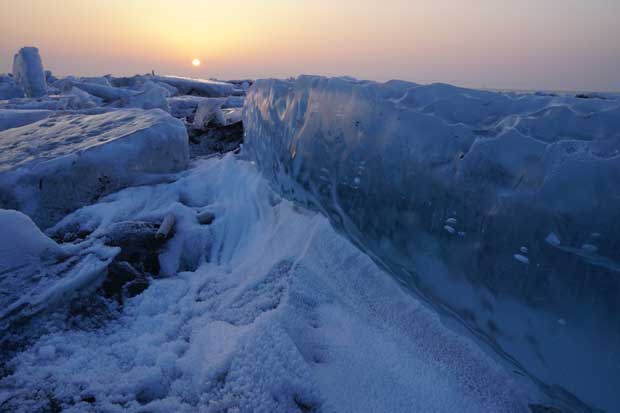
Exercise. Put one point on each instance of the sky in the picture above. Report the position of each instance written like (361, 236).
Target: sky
(502, 44)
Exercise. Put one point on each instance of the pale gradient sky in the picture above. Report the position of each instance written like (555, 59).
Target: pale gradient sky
(521, 44)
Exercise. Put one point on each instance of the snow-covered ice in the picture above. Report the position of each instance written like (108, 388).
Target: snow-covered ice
(51, 167)
(266, 309)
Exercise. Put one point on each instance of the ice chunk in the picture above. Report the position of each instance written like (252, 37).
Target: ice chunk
(49, 77)
(70, 160)
(152, 96)
(589, 247)
(21, 241)
(552, 239)
(206, 111)
(517, 167)
(233, 102)
(9, 90)
(28, 72)
(522, 258)
(107, 93)
(227, 117)
(79, 99)
(201, 87)
(12, 118)
(98, 80)
(37, 272)
(184, 106)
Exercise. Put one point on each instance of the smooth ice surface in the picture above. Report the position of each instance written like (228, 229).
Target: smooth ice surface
(53, 166)
(28, 72)
(266, 309)
(443, 186)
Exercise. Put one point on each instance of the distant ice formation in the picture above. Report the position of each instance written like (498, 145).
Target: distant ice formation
(28, 72)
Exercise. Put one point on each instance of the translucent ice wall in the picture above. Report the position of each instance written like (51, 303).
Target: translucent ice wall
(501, 210)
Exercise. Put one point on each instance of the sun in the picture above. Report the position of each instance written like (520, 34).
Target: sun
(196, 62)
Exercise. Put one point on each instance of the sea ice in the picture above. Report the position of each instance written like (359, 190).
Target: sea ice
(519, 168)
(53, 166)
(200, 87)
(28, 72)
(12, 118)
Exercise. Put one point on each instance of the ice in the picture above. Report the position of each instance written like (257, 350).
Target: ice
(53, 166)
(99, 80)
(186, 106)
(8, 88)
(206, 111)
(200, 87)
(28, 72)
(107, 93)
(227, 117)
(522, 258)
(37, 272)
(12, 118)
(519, 169)
(267, 309)
(152, 96)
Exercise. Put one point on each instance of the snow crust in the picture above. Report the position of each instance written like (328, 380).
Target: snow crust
(442, 186)
(51, 167)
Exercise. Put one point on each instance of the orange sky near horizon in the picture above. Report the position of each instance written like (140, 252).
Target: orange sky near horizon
(527, 44)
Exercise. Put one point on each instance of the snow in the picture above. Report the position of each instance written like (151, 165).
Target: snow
(516, 168)
(58, 164)
(266, 309)
(28, 72)
(201, 87)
